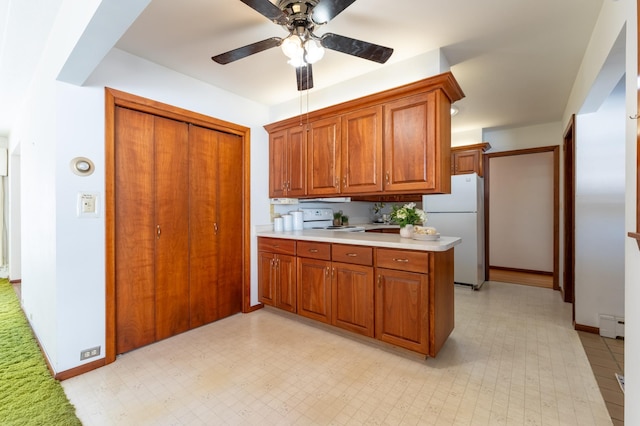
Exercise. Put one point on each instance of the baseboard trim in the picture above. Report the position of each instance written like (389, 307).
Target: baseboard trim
(586, 328)
(84, 368)
(254, 308)
(524, 271)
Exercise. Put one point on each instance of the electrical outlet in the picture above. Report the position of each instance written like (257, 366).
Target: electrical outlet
(89, 353)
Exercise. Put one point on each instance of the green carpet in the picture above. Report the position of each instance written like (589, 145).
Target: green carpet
(29, 395)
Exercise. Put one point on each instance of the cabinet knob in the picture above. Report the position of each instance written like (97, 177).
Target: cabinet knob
(158, 231)
(352, 254)
(313, 250)
(326, 272)
(386, 177)
(401, 260)
(379, 281)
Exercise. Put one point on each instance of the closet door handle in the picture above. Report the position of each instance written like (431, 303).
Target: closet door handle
(158, 231)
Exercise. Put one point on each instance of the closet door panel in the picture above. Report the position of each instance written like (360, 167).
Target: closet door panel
(203, 253)
(172, 227)
(230, 220)
(134, 230)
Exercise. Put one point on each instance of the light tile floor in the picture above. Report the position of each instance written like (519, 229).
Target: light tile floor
(513, 359)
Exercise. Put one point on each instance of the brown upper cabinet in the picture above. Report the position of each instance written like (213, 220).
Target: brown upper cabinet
(287, 162)
(468, 159)
(392, 142)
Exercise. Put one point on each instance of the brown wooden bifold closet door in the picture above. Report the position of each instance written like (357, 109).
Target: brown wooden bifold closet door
(135, 230)
(178, 246)
(230, 220)
(172, 227)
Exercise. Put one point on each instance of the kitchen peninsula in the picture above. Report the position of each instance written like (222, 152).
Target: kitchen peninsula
(379, 285)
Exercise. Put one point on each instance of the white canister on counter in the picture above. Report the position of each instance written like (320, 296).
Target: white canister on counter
(278, 224)
(297, 219)
(288, 222)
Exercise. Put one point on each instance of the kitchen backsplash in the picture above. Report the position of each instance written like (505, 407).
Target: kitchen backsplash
(357, 211)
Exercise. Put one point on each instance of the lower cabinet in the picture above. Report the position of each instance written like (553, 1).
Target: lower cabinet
(401, 309)
(352, 288)
(352, 298)
(314, 281)
(277, 273)
(402, 297)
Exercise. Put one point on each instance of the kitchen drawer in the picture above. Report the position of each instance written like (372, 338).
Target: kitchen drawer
(314, 250)
(404, 260)
(277, 245)
(358, 255)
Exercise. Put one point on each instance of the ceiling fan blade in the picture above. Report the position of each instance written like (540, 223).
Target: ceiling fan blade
(326, 10)
(359, 48)
(304, 77)
(267, 9)
(250, 49)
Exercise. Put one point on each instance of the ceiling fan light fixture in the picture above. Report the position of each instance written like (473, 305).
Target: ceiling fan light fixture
(292, 47)
(301, 53)
(313, 51)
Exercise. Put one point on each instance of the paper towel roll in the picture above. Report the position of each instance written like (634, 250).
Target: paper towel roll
(288, 222)
(278, 224)
(297, 219)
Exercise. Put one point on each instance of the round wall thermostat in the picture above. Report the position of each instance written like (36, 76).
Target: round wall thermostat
(82, 166)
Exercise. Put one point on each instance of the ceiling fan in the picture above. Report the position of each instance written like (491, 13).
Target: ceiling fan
(302, 46)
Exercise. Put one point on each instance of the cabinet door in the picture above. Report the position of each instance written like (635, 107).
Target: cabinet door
(278, 164)
(296, 161)
(267, 278)
(465, 162)
(361, 157)
(286, 283)
(401, 300)
(172, 219)
(314, 289)
(352, 298)
(410, 144)
(323, 157)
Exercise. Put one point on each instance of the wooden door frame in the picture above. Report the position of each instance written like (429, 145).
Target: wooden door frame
(556, 200)
(115, 98)
(569, 249)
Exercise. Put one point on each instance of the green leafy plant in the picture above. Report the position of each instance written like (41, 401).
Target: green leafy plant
(408, 215)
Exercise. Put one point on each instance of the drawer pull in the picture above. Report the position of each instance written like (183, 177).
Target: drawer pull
(352, 254)
(401, 260)
(313, 250)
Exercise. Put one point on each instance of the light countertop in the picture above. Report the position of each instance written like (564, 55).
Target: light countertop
(373, 239)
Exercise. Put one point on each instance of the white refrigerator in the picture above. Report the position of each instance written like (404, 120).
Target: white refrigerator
(461, 214)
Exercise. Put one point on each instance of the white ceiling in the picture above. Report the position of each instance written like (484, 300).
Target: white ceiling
(515, 60)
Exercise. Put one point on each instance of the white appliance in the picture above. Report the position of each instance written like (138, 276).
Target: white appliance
(461, 214)
(322, 218)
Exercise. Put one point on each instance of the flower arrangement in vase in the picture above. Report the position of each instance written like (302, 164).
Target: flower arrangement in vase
(407, 216)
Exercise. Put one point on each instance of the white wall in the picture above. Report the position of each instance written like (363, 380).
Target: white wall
(63, 256)
(521, 203)
(547, 134)
(619, 17)
(599, 210)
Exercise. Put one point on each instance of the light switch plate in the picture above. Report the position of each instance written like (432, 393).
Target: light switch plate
(88, 204)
